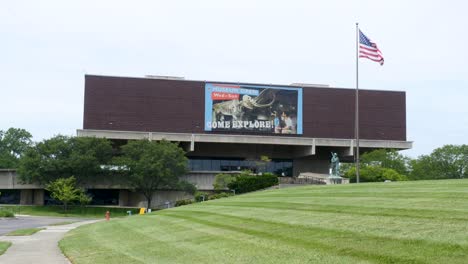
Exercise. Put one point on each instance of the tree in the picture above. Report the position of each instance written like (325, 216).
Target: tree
(447, 162)
(13, 143)
(62, 156)
(83, 198)
(376, 163)
(387, 158)
(64, 190)
(151, 165)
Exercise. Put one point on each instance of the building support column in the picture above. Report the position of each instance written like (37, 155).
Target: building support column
(38, 197)
(192, 143)
(26, 197)
(351, 148)
(123, 197)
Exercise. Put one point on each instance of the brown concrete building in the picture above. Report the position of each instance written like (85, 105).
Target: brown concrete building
(229, 126)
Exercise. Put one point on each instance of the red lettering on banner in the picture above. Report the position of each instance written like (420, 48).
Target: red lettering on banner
(224, 96)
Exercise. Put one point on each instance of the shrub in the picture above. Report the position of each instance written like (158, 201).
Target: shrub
(222, 180)
(5, 213)
(199, 196)
(219, 195)
(183, 202)
(247, 182)
(375, 173)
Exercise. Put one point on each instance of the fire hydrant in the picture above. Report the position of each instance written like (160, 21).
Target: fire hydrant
(107, 216)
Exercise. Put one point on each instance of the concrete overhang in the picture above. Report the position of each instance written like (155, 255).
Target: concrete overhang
(245, 139)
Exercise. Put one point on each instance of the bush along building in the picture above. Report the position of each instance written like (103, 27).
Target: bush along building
(227, 127)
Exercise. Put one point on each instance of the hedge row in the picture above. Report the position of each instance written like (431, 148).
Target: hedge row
(249, 182)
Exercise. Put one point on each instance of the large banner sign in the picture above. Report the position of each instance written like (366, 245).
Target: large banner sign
(253, 108)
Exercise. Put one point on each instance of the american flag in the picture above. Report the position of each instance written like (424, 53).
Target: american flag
(369, 50)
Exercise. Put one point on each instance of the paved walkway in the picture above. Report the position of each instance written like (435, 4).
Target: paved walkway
(40, 248)
(26, 221)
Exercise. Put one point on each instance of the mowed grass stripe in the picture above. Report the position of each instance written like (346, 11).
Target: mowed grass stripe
(222, 244)
(148, 245)
(384, 249)
(449, 215)
(292, 226)
(368, 248)
(209, 245)
(441, 189)
(88, 248)
(271, 237)
(393, 227)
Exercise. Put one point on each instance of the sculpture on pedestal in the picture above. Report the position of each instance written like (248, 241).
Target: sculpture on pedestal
(335, 165)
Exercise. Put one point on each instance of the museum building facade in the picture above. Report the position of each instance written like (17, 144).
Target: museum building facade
(225, 127)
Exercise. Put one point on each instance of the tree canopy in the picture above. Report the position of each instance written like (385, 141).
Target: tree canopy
(380, 165)
(447, 162)
(62, 157)
(13, 143)
(387, 158)
(152, 165)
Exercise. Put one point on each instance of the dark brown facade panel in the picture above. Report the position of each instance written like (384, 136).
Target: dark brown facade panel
(137, 104)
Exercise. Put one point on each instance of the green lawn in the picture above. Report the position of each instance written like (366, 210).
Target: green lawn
(4, 246)
(407, 222)
(73, 211)
(25, 232)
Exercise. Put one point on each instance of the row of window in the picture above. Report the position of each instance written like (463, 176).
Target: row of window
(279, 167)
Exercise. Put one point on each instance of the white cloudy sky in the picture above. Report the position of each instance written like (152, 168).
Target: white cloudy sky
(47, 46)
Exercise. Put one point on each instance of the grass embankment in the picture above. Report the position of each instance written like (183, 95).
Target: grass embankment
(25, 232)
(74, 211)
(4, 246)
(407, 222)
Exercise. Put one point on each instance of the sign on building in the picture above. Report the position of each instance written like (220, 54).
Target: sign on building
(253, 108)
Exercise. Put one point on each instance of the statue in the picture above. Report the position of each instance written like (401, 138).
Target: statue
(335, 165)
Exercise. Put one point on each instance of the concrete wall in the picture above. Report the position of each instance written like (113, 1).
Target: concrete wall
(159, 199)
(10, 180)
(310, 164)
(202, 180)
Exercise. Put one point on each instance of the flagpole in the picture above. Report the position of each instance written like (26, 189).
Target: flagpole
(356, 113)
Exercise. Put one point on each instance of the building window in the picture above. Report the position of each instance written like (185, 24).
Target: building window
(278, 167)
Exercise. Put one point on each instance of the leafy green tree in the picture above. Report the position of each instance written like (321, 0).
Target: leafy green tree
(374, 173)
(377, 162)
(63, 156)
(387, 158)
(151, 165)
(83, 198)
(13, 143)
(447, 162)
(64, 190)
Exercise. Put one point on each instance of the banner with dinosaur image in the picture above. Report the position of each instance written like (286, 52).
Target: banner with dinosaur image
(253, 108)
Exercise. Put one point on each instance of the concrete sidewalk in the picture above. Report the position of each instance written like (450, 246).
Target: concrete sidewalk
(40, 248)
